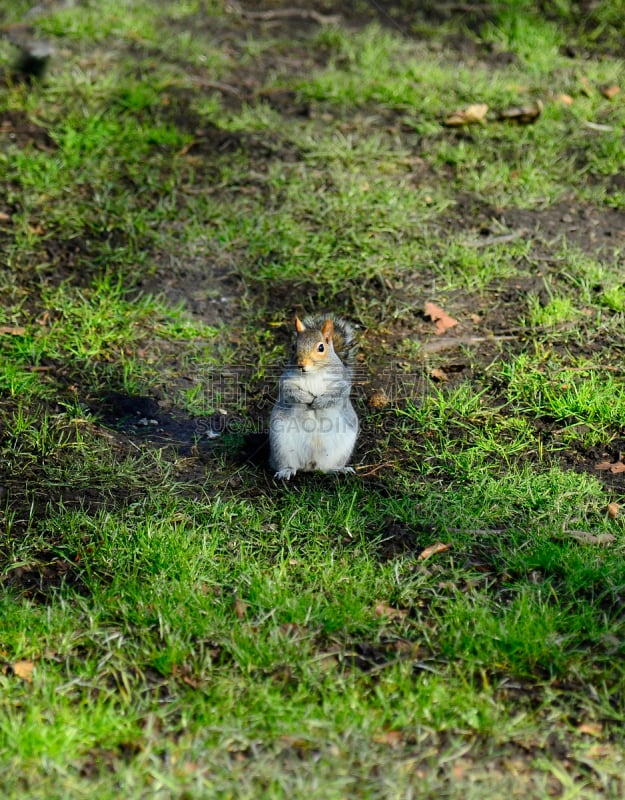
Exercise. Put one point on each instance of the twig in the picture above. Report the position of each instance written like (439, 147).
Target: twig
(480, 531)
(593, 366)
(492, 240)
(286, 13)
(374, 469)
(225, 88)
(595, 126)
(586, 537)
(448, 342)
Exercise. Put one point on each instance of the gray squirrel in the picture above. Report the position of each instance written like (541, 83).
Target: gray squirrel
(313, 425)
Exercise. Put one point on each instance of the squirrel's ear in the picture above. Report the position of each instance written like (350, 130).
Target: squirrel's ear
(328, 329)
(299, 327)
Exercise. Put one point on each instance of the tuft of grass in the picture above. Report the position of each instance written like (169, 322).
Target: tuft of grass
(536, 41)
(571, 394)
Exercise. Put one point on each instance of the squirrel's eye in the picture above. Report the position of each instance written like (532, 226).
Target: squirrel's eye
(320, 348)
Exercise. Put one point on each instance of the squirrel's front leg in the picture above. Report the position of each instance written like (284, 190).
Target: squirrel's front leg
(338, 395)
(291, 392)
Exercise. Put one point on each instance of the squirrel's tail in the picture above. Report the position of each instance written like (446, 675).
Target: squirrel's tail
(345, 344)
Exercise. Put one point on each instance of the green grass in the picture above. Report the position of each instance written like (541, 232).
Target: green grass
(182, 181)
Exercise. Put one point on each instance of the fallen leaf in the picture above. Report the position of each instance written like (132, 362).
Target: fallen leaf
(566, 99)
(439, 374)
(523, 115)
(615, 468)
(189, 768)
(591, 728)
(17, 331)
(391, 738)
(296, 742)
(327, 662)
(601, 751)
(613, 509)
(190, 681)
(459, 771)
(4, 217)
(293, 629)
(378, 399)
(433, 550)
(467, 116)
(610, 91)
(586, 87)
(23, 670)
(240, 608)
(382, 609)
(442, 319)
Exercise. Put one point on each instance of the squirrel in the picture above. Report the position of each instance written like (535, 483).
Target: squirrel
(313, 425)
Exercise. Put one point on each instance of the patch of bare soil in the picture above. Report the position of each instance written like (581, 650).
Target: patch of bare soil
(16, 128)
(588, 228)
(593, 230)
(45, 574)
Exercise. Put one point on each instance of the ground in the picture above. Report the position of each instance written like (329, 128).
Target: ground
(181, 181)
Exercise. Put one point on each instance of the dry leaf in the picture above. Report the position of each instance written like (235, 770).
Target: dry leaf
(382, 609)
(327, 662)
(4, 217)
(591, 728)
(439, 374)
(433, 550)
(189, 768)
(240, 608)
(392, 738)
(378, 399)
(613, 509)
(566, 99)
(459, 771)
(190, 681)
(16, 331)
(467, 116)
(615, 467)
(442, 319)
(524, 115)
(293, 629)
(610, 91)
(586, 87)
(600, 751)
(23, 670)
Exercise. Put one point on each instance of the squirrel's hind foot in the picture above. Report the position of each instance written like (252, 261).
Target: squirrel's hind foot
(343, 470)
(284, 474)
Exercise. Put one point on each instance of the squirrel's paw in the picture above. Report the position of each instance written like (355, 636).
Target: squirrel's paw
(285, 474)
(344, 470)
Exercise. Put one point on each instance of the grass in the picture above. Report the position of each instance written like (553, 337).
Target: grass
(174, 623)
